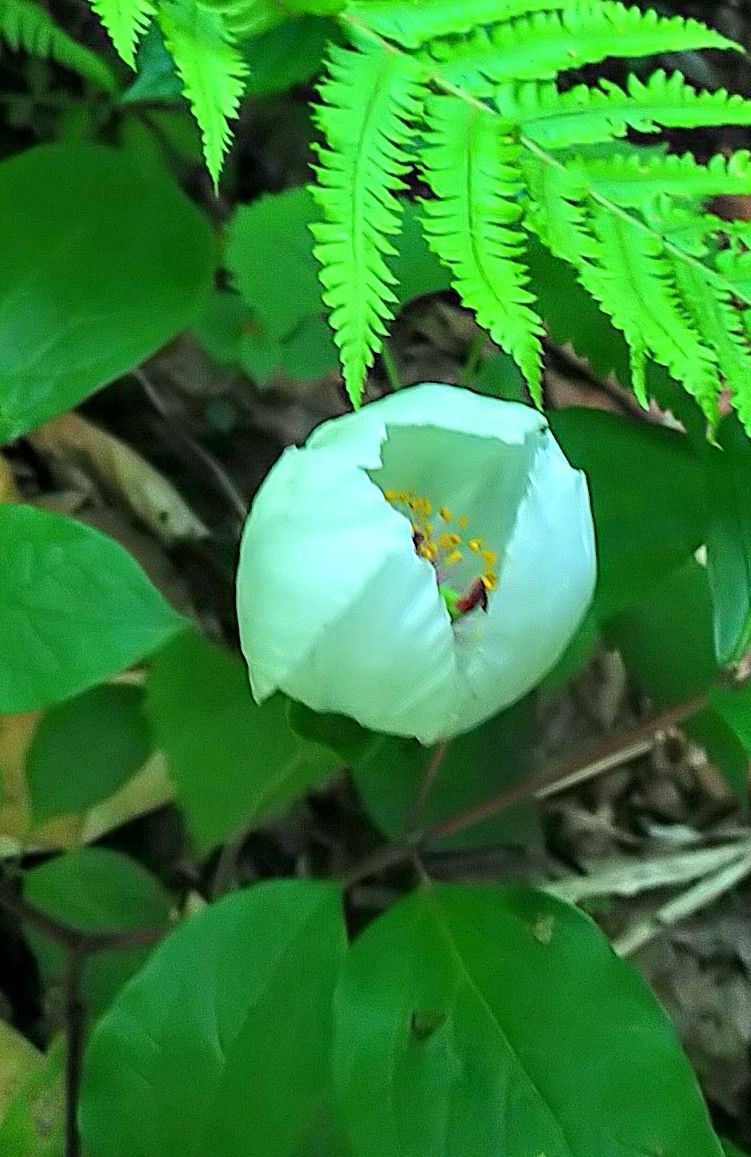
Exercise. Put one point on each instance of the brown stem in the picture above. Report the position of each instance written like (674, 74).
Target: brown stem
(565, 773)
(426, 783)
(68, 935)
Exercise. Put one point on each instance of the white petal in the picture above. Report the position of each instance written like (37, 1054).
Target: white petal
(388, 661)
(359, 435)
(547, 578)
(334, 606)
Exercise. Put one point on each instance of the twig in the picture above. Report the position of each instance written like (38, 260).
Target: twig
(425, 787)
(70, 936)
(600, 757)
(686, 904)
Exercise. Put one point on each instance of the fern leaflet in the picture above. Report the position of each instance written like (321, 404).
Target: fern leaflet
(414, 24)
(371, 101)
(212, 71)
(587, 116)
(25, 26)
(539, 46)
(630, 180)
(126, 21)
(473, 226)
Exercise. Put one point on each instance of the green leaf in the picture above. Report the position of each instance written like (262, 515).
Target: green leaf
(284, 325)
(666, 643)
(97, 890)
(729, 541)
(25, 26)
(156, 79)
(732, 1150)
(211, 68)
(84, 750)
(288, 330)
(221, 1045)
(480, 764)
(734, 705)
(647, 486)
(233, 763)
(75, 609)
(33, 1125)
(126, 21)
(498, 1020)
(342, 735)
(101, 263)
(288, 54)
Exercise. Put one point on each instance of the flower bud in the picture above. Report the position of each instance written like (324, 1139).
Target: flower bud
(418, 565)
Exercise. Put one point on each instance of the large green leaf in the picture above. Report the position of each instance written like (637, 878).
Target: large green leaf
(477, 765)
(648, 497)
(666, 642)
(85, 749)
(97, 890)
(101, 263)
(729, 541)
(491, 1021)
(75, 609)
(233, 763)
(221, 1045)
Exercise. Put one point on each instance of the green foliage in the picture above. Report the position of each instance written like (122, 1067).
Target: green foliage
(507, 999)
(26, 27)
(647, 486)
(476, 766)
(221, 1044)
(211, 68)
(470, 93)
(125, 20)
(85, 749)
(667, 643)
(370, 103)
(233, 764)
(96, 890)
(75, 608)
(101, 264)
(729, 542)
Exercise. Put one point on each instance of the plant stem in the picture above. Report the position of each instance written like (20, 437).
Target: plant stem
(425, 787)
(600, 757)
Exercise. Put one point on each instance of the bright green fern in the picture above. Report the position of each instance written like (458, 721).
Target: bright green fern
(474, 99)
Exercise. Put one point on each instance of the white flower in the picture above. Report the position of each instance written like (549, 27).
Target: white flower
(418, 565)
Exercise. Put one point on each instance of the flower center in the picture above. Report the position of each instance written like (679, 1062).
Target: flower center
(446, 542)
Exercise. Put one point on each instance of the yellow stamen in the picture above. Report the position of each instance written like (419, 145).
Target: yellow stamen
(453, 558)
(427, 550)
(445, 514)
(447, 541)
(475, 544)
(463, 521)
(489, 580)
(490, 557)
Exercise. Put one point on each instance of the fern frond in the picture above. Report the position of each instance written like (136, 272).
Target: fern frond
(630, 180)
(587, 116)
(720, 323)
(211, 68)
(634, 282)
(126, 21)
(26, 27)
(473, 226)
(372, 98)
(539, 46)
(413, 25)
